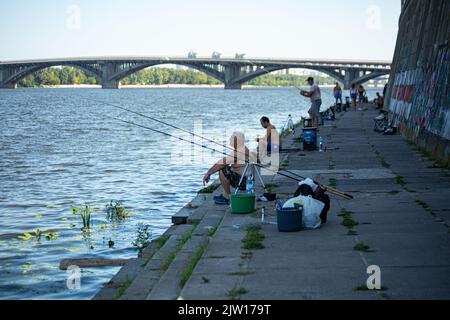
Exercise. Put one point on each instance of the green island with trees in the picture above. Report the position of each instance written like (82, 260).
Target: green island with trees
(56, 76)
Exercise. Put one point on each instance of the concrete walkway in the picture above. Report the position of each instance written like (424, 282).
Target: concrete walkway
(401, 210)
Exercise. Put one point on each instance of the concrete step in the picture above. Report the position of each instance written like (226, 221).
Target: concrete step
(172, 281)
(129, 271)
(155, 266)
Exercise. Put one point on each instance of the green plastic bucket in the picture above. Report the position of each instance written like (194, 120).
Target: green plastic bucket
(243, 203)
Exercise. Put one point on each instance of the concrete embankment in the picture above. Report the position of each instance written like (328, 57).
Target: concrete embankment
(398, 221)
(418, 94)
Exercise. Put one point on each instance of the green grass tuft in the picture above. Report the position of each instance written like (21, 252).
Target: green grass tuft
(191, 266)
(333, 183)
(270, 187)
(384, 163)
(173, 254)
(361, 247)
(400, 181)
(205, 280)
(253, 239)
(209, 189)
(441, 165)
(348, 220)
(121, 290)
(423, 204)
(237, 293)
(161, 241)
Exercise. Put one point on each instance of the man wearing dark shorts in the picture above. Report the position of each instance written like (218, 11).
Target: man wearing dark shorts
(231, 168)
(316, 101)
(234, 178)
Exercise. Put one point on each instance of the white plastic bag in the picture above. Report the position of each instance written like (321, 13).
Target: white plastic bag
(311, 210)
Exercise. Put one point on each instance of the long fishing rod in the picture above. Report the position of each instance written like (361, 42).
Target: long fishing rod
(175, 127)
(193, 143)
(337, 192)
(331, 190)
(158, 121)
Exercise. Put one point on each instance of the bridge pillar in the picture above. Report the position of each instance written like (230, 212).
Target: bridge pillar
(350, 76)
(108, 70)
(233, 86)
(232, 72)
(111, 84)
(8, 86)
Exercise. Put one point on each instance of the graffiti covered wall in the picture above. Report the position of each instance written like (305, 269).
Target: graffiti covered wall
(419, 93)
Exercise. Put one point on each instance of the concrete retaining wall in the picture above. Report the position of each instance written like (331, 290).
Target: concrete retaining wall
(418, 97)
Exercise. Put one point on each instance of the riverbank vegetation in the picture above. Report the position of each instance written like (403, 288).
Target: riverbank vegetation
(55, 77)
(157, 76)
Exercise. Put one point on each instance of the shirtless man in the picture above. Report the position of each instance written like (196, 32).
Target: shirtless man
(271, 139)
(338, 93)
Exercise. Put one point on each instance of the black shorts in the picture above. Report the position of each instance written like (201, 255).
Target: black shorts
(234, 178)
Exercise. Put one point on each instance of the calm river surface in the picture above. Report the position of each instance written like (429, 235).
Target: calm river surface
(58, 150)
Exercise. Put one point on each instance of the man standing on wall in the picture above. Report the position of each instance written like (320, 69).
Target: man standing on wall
(337, 91)
(316, 101)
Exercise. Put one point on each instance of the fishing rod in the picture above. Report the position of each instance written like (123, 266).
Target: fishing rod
(332, 190)
(174, 127)
(157, 120)
(193, 143)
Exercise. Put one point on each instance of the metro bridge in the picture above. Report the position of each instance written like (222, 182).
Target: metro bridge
(232, 72)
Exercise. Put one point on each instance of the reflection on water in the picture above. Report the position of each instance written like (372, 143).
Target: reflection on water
(59, 150)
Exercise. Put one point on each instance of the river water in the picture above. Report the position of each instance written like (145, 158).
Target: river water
(60, 149)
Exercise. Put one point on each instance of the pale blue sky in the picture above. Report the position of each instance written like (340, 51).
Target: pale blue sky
(348, 29)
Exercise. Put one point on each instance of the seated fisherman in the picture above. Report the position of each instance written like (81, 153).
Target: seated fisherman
(379, 101)
(271, 140)
(310, 188)
(231, 168)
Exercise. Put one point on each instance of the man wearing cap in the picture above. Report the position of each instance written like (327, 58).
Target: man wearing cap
(316, 101)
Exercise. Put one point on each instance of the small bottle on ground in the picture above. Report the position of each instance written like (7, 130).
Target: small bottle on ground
(250, 185)
(321, 144)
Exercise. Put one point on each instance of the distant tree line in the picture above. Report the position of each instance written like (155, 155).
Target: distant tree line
(161, 76)
(287, 80)
(57, 76)
(158, 76)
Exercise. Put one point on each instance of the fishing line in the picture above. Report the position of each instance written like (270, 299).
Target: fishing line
(177, 128)
(157, 120)
(195, 144)
(331, 190)
(292, 174)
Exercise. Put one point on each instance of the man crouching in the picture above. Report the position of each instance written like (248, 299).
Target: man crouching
(231, 168)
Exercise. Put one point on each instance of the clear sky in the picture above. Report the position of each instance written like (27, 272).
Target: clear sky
(347, 29)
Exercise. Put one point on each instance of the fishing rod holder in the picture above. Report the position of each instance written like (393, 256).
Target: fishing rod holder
(289, 124)
(249, 166)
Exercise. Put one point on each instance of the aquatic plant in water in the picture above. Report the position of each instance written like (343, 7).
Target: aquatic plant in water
(143, 236)
(85, 214)
(51, 236)
(38, 234)
(27, 236)
(116, 211)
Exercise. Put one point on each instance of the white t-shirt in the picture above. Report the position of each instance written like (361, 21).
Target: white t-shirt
(316, 92)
